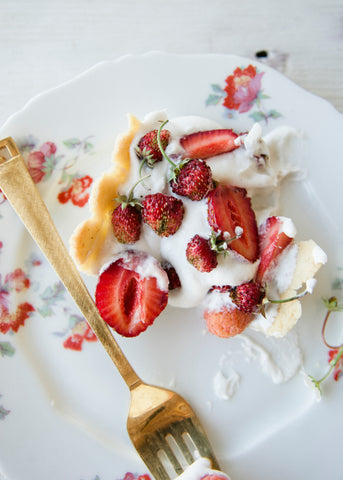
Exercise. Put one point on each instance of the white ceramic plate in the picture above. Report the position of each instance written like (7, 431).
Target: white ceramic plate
(63, 410)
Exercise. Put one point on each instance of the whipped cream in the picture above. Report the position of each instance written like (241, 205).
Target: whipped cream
(256, 165)
(199, 469)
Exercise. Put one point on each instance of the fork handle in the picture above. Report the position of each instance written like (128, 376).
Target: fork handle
(22, 193)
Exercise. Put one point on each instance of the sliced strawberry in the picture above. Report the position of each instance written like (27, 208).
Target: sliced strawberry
(229, 210)
(129, 300)
(273, 240)
(209, 143)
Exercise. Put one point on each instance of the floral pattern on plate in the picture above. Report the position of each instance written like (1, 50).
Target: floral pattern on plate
(44, 161)
(45, 164)
(243, 93)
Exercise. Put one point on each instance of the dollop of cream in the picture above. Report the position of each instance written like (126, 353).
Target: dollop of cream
(200, 468)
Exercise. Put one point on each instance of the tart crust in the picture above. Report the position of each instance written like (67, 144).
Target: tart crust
(89, 237)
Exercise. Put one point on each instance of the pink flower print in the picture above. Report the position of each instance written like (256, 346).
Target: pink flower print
(48, 149)
(77, 193)
(35, 165)
(36, 161)
(80, 333)
(242, 88)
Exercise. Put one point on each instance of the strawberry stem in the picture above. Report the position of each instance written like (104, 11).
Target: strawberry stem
(175, 170)
(160, 146)
(285, 300)
(129, 199)
(332, 364)
(220, 245)
(332, 305)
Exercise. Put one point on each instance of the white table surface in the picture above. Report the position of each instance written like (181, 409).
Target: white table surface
(44, 43)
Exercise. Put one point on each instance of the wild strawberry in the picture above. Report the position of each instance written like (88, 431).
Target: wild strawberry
(227, 321)
(128, 300)
(126, 218)
(247, 297)
(191, 178)
(209, 143)
(163, 213)
(200, 254)
(174, 280)
(126, 223)
(148, 150)
(230, 213)
(272, 242)
(194, 180)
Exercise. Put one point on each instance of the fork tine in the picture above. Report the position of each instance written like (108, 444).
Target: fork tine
(199, 438)
(153, 462)
(164, 445)
(149, 451)
(183, 447)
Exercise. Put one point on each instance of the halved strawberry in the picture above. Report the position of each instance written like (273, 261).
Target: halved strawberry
(209, 143)
(128, 299)
(273, 240)
(230, 210)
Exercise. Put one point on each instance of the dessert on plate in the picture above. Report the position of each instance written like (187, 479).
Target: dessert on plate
(188, 215)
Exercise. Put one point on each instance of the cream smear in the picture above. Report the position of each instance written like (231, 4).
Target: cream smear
(279, 359)
(256, 165)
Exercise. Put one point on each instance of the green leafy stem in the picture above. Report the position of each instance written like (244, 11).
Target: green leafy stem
(331, 305)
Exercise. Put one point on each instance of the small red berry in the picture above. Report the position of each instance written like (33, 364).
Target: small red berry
(163, 213)
(200, 254)
(148, 149)
(248, 296)
(193, 180)
(126, 223)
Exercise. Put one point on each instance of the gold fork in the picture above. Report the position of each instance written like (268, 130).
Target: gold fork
(159, 420)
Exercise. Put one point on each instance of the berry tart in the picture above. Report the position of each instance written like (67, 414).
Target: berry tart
(188, 215)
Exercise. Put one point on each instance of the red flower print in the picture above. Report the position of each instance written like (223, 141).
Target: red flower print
(36, 161)
(11, 320)
(242, 89)
(77, 192)
(17, 280)
(338, 369)
(2, 197)
(80, 333)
